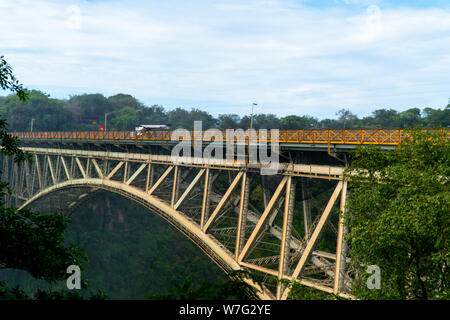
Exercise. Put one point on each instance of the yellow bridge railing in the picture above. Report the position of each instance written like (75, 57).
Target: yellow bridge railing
(308, 136)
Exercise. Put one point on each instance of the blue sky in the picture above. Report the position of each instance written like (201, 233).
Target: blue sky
(290, 57)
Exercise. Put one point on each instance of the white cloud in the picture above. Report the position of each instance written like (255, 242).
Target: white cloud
(362, 2)
(289, 58)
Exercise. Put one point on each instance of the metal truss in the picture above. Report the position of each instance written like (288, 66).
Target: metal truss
(317, 136)
(210, 203)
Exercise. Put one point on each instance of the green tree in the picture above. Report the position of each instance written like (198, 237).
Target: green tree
(301, 292)
(410, 118)
(385, 119)
(119, 100)
(29, 241)
(8, 80)
(208, 121)
(228, 121)
(296, 122)
(346, 119)
(127, 118)
(265, 121)
(435, 118)
(154, 115)
(48, 114)
(34, 242)
(179, 118)
(245, 122)
(235, 288)
(399, 219)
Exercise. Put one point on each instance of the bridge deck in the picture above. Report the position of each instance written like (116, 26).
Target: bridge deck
(290, 139)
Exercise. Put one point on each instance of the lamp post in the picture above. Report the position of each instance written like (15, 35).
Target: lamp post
(106, 119)
(32, 120)
(251, 118)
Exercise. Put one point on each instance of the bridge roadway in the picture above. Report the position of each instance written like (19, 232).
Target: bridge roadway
(308, 139)
(208, 200)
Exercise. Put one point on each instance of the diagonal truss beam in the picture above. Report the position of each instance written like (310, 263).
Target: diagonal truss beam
(242, 215)
(66, 170)
(175, 185)
(80, 166)
(136, 173)
(97, 168)
(286, 233)
(206, 195)
(312, 242)
(38, 170)
(52, 172)
(113, 172)
(189, 188)
(223, 200)
(149, 176)
(340, 252)
(314, 237)
(161, 179)
(263, 218)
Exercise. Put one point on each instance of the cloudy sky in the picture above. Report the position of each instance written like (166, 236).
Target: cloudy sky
(289, 56)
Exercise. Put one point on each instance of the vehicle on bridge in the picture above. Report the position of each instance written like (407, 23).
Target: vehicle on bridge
(143, 128)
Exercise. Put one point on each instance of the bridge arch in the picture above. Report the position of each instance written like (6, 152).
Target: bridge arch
(208, 202)
(208, 244)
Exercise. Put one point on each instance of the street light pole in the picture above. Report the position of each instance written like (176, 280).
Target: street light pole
(32, 120)
(251, 118)
(106, 118)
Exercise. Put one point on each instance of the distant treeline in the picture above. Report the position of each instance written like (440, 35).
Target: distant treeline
(124, 112)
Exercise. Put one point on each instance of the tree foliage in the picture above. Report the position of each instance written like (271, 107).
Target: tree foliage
(133, 251)
(124, 112)
(301, 292)
(235, 288)
(35, 242)
(8, 80)
(398, 217)
(29, 241)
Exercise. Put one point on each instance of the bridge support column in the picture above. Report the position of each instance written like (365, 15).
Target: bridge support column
(341, 246)
(38, 171)
(314, 237)
(306, 206)
(6, 176)
(147, 181)
(265, 191)
(206, 197)
(176, 180)
(242, 219)
(283, 267)
(125, 174)
(16, 183)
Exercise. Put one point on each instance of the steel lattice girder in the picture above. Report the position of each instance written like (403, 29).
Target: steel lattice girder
(220, 223)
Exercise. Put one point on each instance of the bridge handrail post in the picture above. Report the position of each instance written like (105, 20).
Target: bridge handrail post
(329, 141)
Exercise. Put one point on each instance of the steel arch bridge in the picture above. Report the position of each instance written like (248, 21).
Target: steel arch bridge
(209, 202)
(274, 235)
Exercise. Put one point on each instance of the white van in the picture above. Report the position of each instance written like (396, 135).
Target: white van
(148, 127)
